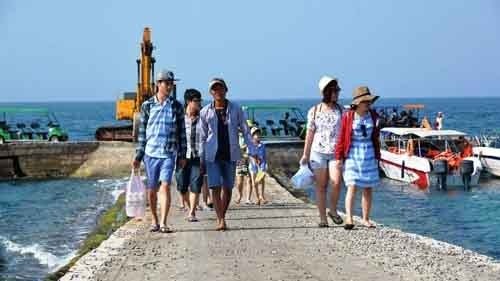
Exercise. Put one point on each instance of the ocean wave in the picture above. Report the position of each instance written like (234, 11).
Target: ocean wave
(44, 257)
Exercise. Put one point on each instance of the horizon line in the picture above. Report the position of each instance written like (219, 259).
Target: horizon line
(254, 99)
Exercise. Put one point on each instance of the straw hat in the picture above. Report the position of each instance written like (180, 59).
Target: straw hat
(361, 94)
(325, 81)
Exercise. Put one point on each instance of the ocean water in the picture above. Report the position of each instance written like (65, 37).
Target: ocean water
(42, 223)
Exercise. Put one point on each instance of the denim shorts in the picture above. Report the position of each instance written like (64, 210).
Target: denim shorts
(321, 160)
(159, 170)
(189, 178)
(221, 173)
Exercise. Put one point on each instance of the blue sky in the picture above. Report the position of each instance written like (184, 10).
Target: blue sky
(86, 50)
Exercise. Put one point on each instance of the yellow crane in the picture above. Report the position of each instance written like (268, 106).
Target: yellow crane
(129, 105)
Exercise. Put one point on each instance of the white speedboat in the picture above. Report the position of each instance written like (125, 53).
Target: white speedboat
(427, 158)
(488, 151)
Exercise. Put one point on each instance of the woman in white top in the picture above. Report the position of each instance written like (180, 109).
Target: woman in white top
(323, 124)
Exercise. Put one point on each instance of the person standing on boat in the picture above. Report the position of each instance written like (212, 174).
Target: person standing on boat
(439, 121)
(323, 124)
(162, 142)
(221, 120)
(358, 151)
(189, 177)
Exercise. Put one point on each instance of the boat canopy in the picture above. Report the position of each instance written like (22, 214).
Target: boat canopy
(23, 110)
(421, 132)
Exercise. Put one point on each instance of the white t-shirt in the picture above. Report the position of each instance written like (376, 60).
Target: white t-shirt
(326, 126)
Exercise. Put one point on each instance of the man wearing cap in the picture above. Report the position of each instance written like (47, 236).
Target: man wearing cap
(221, 120)
(162, 141)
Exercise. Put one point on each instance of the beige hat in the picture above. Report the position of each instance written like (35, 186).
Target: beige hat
(325, 81)
(254, 130)
(362, 93)
(217, 81)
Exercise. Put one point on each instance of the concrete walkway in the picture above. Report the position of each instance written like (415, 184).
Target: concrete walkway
(279, 241)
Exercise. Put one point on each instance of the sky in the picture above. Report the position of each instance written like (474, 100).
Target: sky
(265, 49)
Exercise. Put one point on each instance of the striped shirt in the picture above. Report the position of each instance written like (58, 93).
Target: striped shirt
(193, 137)
(161, 129)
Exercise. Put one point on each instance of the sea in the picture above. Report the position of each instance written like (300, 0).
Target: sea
(43, 223)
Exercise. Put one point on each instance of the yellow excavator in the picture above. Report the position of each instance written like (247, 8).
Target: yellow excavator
(128, 107)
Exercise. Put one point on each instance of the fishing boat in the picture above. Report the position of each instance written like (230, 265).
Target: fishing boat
(278, 123)
(428, 158)
(488, 150)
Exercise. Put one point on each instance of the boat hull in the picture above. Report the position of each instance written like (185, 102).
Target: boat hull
(490, 159)
(417, 171)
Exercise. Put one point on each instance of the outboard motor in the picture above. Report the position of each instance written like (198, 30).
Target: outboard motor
(441, 170)
(466, 170)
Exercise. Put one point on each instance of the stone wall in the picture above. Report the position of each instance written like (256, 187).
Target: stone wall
(103, 159)
(54, 160)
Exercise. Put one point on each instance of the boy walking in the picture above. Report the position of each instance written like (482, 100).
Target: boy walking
(162, 142)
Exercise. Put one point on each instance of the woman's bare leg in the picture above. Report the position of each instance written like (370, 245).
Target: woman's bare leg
(321, 176)
(349, 203)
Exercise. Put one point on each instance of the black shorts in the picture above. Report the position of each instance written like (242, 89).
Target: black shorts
(189, 177)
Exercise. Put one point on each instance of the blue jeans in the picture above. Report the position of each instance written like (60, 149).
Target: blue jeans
(221, 174)
(189, 177)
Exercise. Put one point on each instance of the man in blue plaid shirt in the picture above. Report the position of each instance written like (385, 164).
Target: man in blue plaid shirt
(162, 141)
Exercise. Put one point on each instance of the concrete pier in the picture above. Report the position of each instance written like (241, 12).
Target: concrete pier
(278, 241)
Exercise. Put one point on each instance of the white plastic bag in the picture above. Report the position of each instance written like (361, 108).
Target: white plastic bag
(304, 178)
(135, 196)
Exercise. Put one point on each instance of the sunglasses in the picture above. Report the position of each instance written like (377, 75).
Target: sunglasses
(363, 130)
(333, 90)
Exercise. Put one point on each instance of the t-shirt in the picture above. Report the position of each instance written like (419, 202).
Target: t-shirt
(223, 152)
(326, 126)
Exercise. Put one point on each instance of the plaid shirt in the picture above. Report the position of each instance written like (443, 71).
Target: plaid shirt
(161, 129)
(193, 137)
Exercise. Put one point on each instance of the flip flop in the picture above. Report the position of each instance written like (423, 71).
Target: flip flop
(192, 219)
(336, 218)
(154, 228)
(348, 226)
(165, 229)
(323, 224)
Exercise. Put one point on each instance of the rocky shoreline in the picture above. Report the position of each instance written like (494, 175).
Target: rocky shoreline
(279, 241)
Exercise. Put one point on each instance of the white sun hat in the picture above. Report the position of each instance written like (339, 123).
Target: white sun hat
(325, 81)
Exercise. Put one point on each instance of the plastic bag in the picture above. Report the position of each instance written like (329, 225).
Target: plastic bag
(304, 178)
(135, 196)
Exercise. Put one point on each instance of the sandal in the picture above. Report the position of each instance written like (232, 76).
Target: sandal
(348, 226)
(335, 218)
(192, 219)
(323, 224)
(165, 229)
(154, 228)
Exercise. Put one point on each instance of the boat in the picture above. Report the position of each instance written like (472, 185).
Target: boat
(29, 124)
(278, 123)
(487, 148)
(427, 158)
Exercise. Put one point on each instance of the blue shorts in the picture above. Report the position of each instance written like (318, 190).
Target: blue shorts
(159, 170)
(221, 173)
(254, 168)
